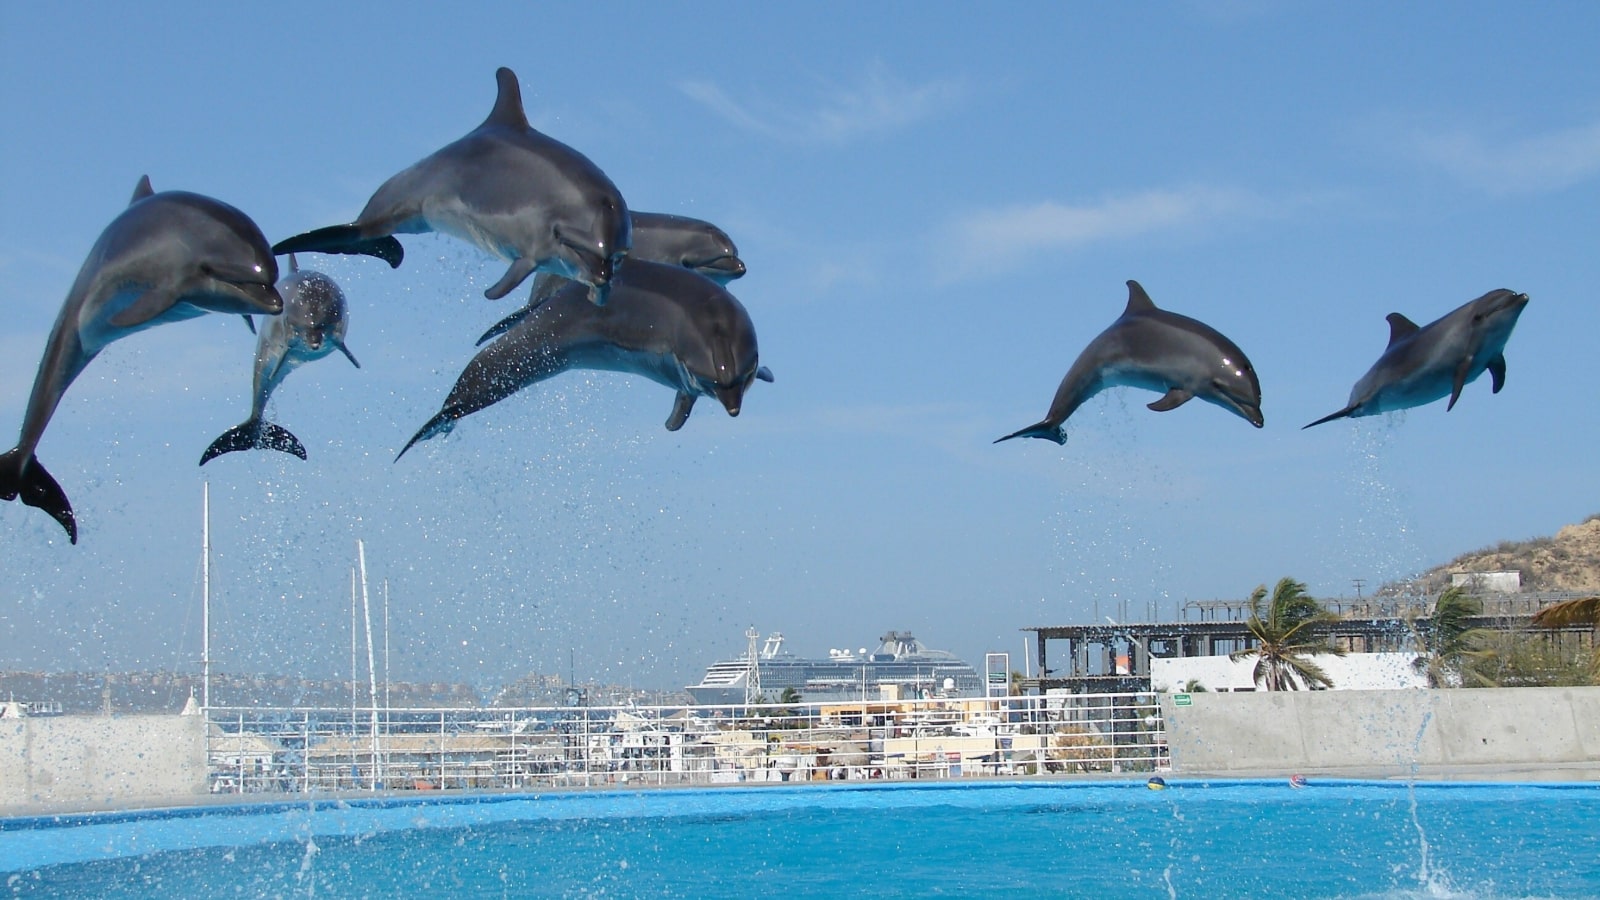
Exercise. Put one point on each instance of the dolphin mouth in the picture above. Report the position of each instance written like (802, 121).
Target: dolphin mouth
(264, 297)
(732, 399)
(588, 266)
(727, 267)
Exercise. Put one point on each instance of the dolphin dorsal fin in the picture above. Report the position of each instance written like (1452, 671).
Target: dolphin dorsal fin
(1400, 328)
(294, 264)
(508, 103)
(1138, 300)
(142, 190)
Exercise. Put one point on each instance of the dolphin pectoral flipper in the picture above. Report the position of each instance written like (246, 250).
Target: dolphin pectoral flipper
(1497, 371)
(24, 477)
(347, 354)
(1171, 400)
(681, 407)
(520, 269)
(344, 239)
(249, 323)
(764, 374)
(505, 325)
(1462, 372)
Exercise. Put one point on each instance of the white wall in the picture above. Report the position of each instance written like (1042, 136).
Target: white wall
(1354, 671)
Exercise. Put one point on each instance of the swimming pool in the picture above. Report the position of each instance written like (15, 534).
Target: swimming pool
(1033, 838)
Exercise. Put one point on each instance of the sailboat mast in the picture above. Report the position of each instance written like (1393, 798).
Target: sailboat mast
(205, 595)
(355, 768)
(386, 645)
(372, 672)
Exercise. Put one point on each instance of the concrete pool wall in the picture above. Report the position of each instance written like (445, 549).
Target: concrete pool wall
(72, 763)
(100, 762)
(1398, 730)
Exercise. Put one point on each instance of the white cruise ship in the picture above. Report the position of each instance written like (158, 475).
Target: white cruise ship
(901, 663)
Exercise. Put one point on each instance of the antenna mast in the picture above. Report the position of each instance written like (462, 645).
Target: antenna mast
(205, 595)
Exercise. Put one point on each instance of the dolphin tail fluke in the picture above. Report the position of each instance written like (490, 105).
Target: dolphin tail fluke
(252, 435)
(24, 477)
(343, 239)
(505, 325)
(1343, 413)
(1043, 430)
(439, 424)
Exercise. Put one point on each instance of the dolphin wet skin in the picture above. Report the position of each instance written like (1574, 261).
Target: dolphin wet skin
(664, 322)
(167, 257)
(694, 244)
(505, 188)
(311, 326)
(1162, 351)
(1423, 364)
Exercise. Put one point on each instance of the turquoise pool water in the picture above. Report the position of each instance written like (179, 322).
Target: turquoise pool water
(1036, 839)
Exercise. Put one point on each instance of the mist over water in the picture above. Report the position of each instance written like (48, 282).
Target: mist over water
(1108, 544)
(1379, 543)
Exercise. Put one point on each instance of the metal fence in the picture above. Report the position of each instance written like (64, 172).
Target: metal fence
(251, 750)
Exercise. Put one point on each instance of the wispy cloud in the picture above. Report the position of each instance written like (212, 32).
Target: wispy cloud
(995, 236)
(878, 103)
(1512, 165)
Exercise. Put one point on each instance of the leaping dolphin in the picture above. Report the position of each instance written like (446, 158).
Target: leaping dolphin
(1420, 365)
(167, 257)
(311, 326)
(1162, 351)
(694, 244)
(663, 322)
(506, 188)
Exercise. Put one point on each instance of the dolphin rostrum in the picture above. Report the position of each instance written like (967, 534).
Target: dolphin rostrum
(167, 257)
(311, 326)
(506, 188)
(664, 322)
(657, 237)
(1420, 365)
(1162, 351)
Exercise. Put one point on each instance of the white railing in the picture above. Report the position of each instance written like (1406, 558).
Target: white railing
(320, 750)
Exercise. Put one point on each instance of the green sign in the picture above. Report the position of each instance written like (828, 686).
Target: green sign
(1182, 700)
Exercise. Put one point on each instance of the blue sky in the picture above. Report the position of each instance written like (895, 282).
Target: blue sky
(938, 205)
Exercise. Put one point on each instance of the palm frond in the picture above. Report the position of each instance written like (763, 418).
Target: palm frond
(1569, 613)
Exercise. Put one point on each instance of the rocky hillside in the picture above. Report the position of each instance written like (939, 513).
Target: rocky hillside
(1570, 561)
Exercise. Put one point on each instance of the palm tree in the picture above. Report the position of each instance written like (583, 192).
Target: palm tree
(1282, 627)
(1451, 649)
(1569, 613)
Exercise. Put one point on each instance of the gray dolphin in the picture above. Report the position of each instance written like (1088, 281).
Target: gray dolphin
(1420, 365)
(311, 326)
(1162, 351)
(517, 194)
(694, 244)
(664, 322)
(167, 257)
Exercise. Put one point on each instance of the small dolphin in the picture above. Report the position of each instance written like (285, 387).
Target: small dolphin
(167, 257)
(1162, 351)
(663, 322)
(311, 326)
(517, 194)
(694, 244)
(1420, 365)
